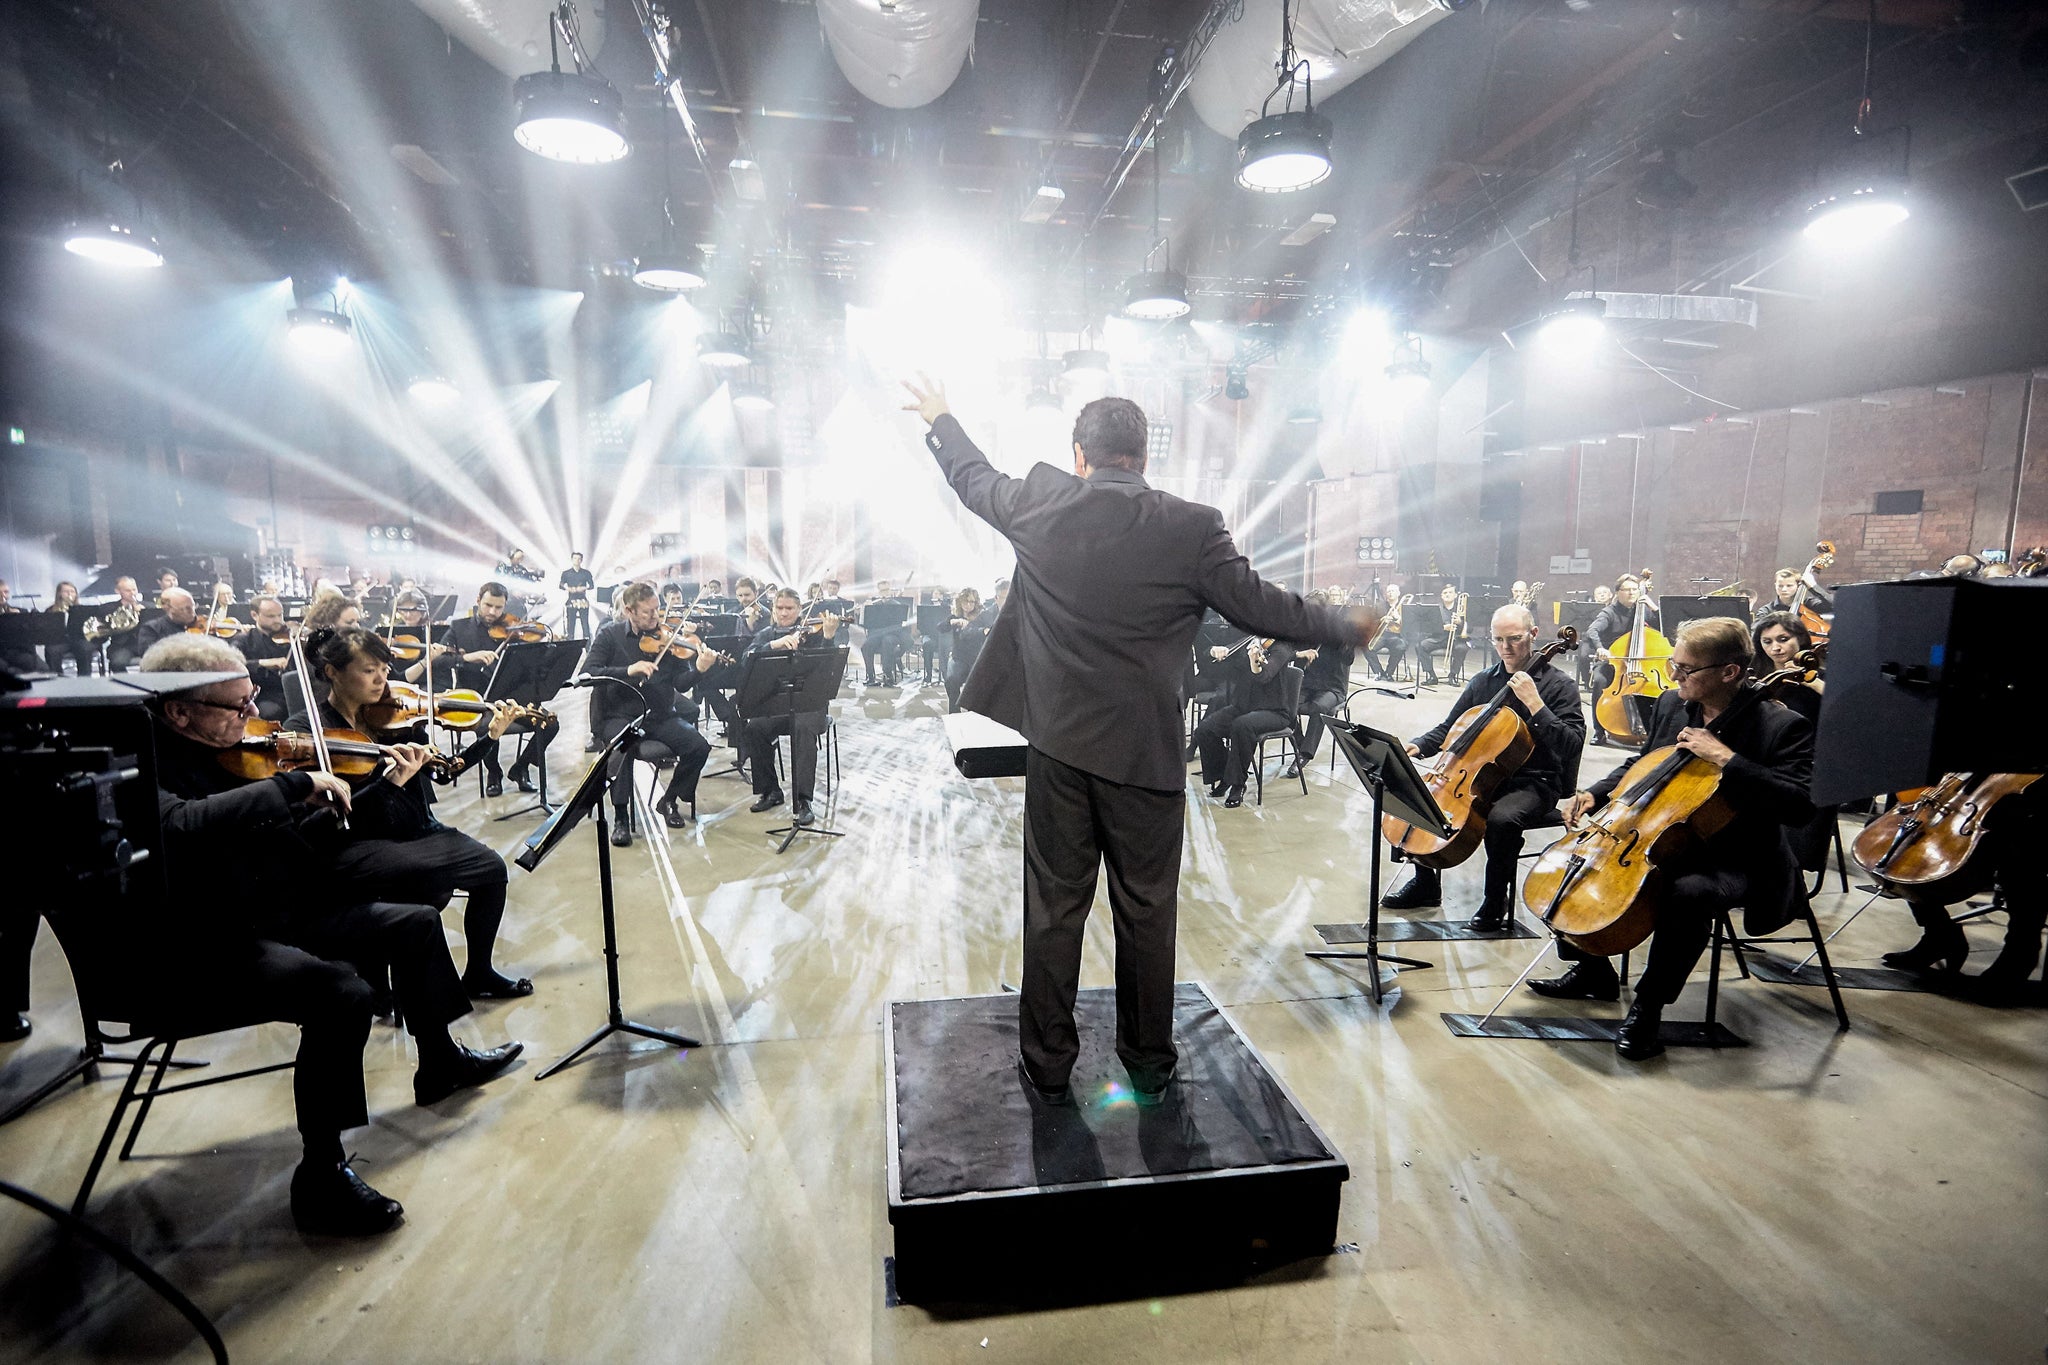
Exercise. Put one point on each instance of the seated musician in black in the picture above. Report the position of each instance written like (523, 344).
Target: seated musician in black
(752, 611)
(180, 612)
(1325, 682)
(969, 625)
(288, 937)
(473, 658)
(1254, 703)
(397, 850)
(1614, 622)
(1765, 754)
(268, 649)
(881, 647)
(784, 632)
(1388, 648)
(1548, 699)
(661, 683)
(2008, 855)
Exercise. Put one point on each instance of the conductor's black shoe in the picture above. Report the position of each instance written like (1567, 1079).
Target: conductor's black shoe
(333, 1201)
(1636, 1039)
(494, 785)
(431, 1085)
(622, 833)
(1492, 918)
(800, 813)
(1149, 1096)
(1593, 979)
(767, 800)
(524, 781)
(15, 1029)
(1063, 1094)
(1233, 798)
(1423, 888)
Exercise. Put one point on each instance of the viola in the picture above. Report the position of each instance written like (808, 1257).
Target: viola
(1641, 661)
(1925, 846)
(462, 709)
(267, 748)
(1485, 747)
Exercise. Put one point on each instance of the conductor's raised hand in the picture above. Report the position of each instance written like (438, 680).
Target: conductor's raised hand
(931, 398)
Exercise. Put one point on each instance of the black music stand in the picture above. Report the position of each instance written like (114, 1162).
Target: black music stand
(531, 673)
(1382, 764)
(1422, 625)
(800, 682)
(25, 634)
(1675, 611)
(588, 797)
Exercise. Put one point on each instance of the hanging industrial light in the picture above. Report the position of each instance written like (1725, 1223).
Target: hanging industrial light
(1864, 195)
(321, 331)
(1304, 415)
(1576, 323)
(434, 391)
(568, 115)
(1408, 372)
(1290, 150)
(1041, 397)
(108, 236)
(671, 266)
(1156, 295)
(1085, 364)
(724, 350)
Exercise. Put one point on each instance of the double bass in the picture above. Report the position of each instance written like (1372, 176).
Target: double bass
(1816, 624)
(1923, 847)
(1641, 662)
(1485, 747)
(1598, 887)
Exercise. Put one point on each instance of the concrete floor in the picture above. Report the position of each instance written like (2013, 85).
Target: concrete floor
(1870, 1196)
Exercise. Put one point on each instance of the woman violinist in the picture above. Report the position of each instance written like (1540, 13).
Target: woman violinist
(1779, 637)
(1765, 755)
(399, 850)
(970, 624)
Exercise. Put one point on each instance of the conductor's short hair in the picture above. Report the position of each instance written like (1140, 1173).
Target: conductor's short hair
(1111, 434)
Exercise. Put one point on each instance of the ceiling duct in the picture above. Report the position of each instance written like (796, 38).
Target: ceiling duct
(905, 54)
(1340, 40)
(512, 35)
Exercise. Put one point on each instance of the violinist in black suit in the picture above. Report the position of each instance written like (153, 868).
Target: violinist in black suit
(471, 659)
(785, 632)
(1765, 753)
(1086, 660)
(662, 682)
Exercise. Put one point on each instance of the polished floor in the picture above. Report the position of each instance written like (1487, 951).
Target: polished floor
(1880, 1195)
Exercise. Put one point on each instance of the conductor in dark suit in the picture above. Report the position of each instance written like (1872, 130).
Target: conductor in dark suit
(1086, 660)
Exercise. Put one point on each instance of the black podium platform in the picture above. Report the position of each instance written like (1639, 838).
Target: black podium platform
(999, 1197)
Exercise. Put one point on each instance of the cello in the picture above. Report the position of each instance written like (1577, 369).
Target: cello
(1598, 887)
(1640, 661)
(1816, 625)
(1923, 847)
(1485, 747)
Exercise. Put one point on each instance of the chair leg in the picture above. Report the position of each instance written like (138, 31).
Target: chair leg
(148, 1097)
(1827, 971)
(1714, 973)
(99, 1156)
(1841, 859)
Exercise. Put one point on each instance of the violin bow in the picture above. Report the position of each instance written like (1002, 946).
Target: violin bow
(317, 731)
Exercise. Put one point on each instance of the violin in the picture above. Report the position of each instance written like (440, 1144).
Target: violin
(1485, 747)
(409, 645)
(267, 749)
(517, 630)
(672, 645)
(403, 704)
(1598, 887)
(1924, 846)
(1641, 661)
(1816, 624)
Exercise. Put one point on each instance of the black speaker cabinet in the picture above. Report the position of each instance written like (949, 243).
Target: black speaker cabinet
(1931, 676)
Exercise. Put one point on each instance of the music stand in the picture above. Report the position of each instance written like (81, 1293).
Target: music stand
(588, 797)
(801, 682)
(26, 632)
(1382, 764)
(1675, 611)
(440, 607)
(531, 674)
(1422, 626)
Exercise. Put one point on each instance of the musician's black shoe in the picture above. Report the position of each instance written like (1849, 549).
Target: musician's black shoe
(523, 780)
(494, 784)
(1061, 1094)
(1942, 947)
(432, 1084)
(670, 809)
(1636, 1039)
(333, 1201)
(800, 813)
(592, 745)
(1492, 918)
(1191, 753)
(1291, 771)
(1233, 798)
(1423, 888)
(1215, 790)
(1592, 979)
(494, 985)
(622, 833)
(767, 800)
(15, 1029)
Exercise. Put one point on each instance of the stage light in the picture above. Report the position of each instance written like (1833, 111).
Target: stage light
(1156, 296)
(432, 391)
(1409, 377)
(568, 116)
(1284, 152)
(751, 398)
(669, 269)
(1041, 398)
(1575, 325)
(1085, 364)
(320, 331)
(113, 244)
(1856, 213)
(1234, 387)
(723, 350)
(1304, 415)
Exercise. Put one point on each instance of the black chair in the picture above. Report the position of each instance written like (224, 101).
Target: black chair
(1725, 935)
(1290, 708)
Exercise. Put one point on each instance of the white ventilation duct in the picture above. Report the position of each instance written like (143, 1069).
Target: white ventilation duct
(1340, 39)
(512, 35)
(903, 54)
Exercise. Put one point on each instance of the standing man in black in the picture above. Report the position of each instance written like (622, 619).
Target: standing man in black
(1111, 582)
(575, 583)
(663, 682)
(1547, 700)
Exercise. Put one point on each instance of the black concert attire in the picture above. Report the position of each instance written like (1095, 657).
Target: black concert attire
(1324, 685)
(396, 850)
(2008, 856)
(273, 702)
(466, 635)
(1749, 862)
(1614, 623)
(24, 659)
(1253, 703)
(882, 647)
(1770, 608)
(967, 645)
(1811, 841)
(1529, 797)
(1458, 638)
(937, 645)
(576, 585)
(838, 606)
(123, 647)
(670, 714)
(1384, 655)
(804, 731)
(1086, 660)
(158, 628)
(288, 938)
(74, 647)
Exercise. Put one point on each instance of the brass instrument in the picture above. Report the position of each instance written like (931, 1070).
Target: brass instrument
(1732, 590)
(122, 619)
